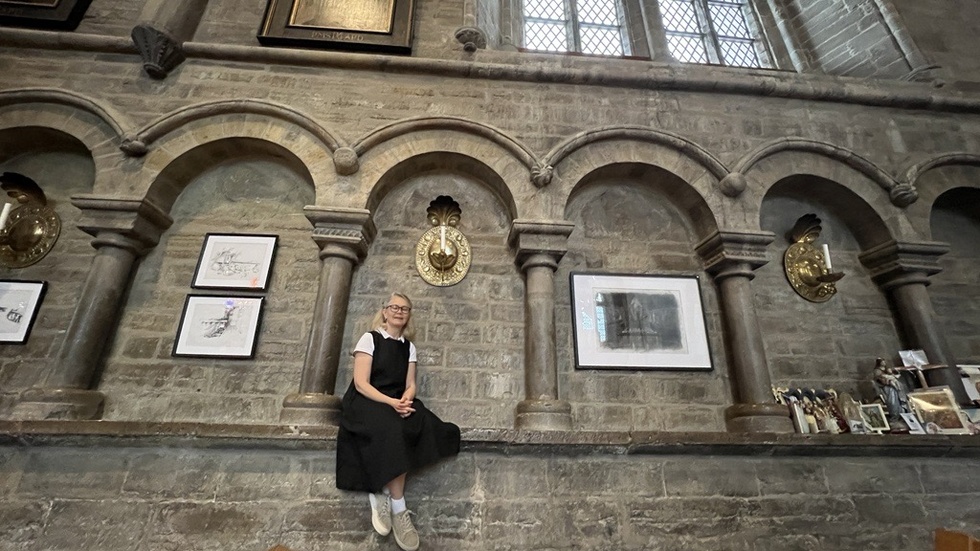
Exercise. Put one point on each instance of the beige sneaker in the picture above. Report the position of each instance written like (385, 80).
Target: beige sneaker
(405, 534)
(380, 513)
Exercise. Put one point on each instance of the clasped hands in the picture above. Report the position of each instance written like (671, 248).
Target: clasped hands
(404, 407)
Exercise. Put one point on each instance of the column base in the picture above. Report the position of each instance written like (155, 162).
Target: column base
(67, 404)
(543, 415)
(758, 418)
(310, 409)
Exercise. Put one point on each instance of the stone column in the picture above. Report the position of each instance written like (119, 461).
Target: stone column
(164, 26)
(902, 270)
(650, 10)
(343, 236)
(539, 246)
(124, 230)
(731, 258)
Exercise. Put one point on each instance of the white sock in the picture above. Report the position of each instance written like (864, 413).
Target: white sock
(398, 505)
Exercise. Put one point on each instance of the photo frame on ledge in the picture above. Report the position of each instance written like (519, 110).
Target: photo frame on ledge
(218, 327)
(64, 15)
(19, 304)
(365, 25)
(235, 261)
(639, 322)
(938, 411)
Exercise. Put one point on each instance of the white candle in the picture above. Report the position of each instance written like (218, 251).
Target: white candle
(4, 215)
(442, 238)
(826, 258)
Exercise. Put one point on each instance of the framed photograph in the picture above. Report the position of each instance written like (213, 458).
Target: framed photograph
(367, 25)
(235, 261)
(914, 426)
(874, 418)
(62, 15)
(638, 322)
(19, 303)
(937, 410)
(218, 327)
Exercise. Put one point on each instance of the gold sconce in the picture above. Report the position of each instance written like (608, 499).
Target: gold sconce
(808, 268)
(442, 255)
(29, 228)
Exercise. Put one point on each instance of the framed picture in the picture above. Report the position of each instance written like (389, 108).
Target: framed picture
(874, 418)
(43, 14)
(235, 261)
(913, 422)
(19, 303)
(638, 322)
(218, 327)
(367, 25)
(938, 411)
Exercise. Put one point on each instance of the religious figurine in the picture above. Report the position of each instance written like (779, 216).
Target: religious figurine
(891, 389)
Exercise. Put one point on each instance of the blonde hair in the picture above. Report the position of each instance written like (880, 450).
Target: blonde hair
(379, 319)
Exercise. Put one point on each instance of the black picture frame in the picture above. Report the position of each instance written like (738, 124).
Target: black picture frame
(235, 261)
(336, 25)
(20, 302)
(219, 326)
(639, 322)
(64, 15)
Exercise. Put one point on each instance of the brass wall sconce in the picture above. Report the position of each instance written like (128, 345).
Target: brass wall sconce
(30, 228)
(808, 268)
(442, 255)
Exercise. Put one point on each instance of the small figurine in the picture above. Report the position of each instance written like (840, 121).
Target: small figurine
(891, 389)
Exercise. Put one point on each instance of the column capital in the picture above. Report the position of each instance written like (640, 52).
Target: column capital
(742, 251)
(134, 224)
(539, 237)
(896, 263)
(342, 231)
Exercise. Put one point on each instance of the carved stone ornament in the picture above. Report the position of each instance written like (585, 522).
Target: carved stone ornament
(443, 254)
(161, 53)
(472, 38)
(32, 228)
(808, 269)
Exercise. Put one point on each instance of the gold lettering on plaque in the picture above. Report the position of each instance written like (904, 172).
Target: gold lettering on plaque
(372, 16)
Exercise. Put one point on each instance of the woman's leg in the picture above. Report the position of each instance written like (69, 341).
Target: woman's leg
(397, 486)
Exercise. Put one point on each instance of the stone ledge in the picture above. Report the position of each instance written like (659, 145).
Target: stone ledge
(506, 441)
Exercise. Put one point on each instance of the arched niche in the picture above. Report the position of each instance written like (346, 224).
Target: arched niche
(230, 187)
(470, 336)
(632, 218)
(955, 292)
(62, 166)
(831, 344)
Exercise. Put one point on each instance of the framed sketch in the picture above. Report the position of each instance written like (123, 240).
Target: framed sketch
(368, 25)
(19, 303)
(218, 327)
(235, 261)
(874, 418)
(43, 14)
(638, 322)
(937, 409)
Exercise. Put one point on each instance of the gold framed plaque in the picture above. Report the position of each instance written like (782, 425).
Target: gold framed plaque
(62, 15)
(366, 25)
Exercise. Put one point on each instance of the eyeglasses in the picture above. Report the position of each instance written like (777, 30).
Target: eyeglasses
(401, 309)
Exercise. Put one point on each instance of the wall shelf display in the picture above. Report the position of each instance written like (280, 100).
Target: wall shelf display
(19, 304)
(366, 25)
(235, 261)
(218, 327)
(43, 14)
(638, 322)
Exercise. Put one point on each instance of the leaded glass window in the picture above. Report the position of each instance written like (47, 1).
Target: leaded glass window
(713, 31)
(585, 26)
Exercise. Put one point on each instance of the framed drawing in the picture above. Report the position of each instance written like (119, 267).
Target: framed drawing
(19, 303)
(874, 418)
(368, 25)
(235, 261)
(218, 327)
(638, 322)
(63, 15)
(937, 410)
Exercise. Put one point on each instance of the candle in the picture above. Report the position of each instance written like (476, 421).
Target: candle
(4, 215)
(442, 238)
(826, 258)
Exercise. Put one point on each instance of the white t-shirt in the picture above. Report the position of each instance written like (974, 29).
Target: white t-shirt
(366, 344)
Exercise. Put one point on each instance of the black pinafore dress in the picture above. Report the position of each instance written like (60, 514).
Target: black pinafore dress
(374, 444)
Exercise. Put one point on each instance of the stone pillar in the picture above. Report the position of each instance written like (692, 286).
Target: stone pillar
(902, 270)
(539, 246)
(343, 236)
(731, 258)
(124, 230)
(655, 31)
(782, 15)
(164, 26)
